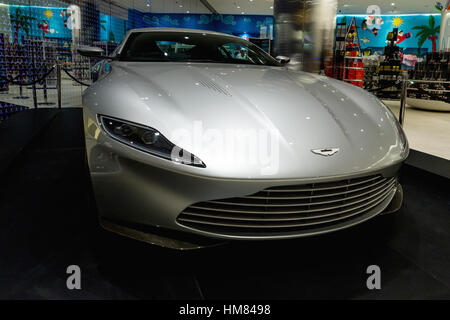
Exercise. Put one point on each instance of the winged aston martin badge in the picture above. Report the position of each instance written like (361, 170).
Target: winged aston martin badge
(325, 152)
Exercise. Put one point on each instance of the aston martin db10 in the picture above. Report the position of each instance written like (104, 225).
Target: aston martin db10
(194, 136)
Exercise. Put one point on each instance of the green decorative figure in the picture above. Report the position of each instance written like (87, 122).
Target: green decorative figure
(20, 21)
(111, 37)
(429, 32)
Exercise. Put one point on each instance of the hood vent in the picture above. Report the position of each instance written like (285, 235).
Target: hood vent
(214, 86)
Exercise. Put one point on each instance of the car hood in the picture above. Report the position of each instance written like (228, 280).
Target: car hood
(203, 107)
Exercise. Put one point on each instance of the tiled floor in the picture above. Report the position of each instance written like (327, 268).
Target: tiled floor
(52, 223)
(427, 131)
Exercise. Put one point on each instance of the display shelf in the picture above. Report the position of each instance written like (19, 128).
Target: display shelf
(429, 86)
(428, 81)
(389, 71)
(347, 62)
(350, 68)
(431, 90)
(371, 64)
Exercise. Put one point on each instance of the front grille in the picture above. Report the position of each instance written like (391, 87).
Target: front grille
(293, 209)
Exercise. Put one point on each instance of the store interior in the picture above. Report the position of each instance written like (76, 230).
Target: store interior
(418, 41)
(398, 50)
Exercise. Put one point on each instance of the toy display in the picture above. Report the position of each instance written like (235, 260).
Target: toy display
(390, 70)
(431, 86)
(347, 63)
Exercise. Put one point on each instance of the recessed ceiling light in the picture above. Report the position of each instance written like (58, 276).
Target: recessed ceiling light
(392, 4)
(238, 7)
(271, 7)
(187, 11)
(242, 12)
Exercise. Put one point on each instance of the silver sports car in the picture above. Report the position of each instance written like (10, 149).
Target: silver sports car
(195, 136)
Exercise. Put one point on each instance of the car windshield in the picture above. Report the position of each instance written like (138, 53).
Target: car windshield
(192, 47)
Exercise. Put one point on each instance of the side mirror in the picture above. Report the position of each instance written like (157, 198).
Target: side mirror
(93, 52)
(283, 59)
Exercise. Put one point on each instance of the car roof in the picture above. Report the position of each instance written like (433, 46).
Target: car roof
(179, 30)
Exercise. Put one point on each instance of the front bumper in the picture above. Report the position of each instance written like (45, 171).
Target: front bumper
(182, 241)
(142, 193)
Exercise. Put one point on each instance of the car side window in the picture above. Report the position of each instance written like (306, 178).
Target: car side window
(235, 51)
(238, 51)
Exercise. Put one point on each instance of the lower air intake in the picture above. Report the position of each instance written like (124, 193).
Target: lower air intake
(292, 210)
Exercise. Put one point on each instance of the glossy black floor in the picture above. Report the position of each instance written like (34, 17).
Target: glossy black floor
(46, 224)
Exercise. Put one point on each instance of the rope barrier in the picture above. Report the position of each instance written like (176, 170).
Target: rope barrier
(75, 79)
(13, 81)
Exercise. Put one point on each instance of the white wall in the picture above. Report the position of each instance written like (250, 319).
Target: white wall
(444, 34)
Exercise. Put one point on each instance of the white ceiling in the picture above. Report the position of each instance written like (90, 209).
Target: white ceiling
(195, 6)
(266, 6)
(240, 6)
(165, 6)
(388, 6)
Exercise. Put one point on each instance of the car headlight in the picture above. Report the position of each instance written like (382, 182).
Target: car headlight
(148, 140)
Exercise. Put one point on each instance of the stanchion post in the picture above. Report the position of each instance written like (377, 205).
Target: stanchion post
(401, 115)
(58, 84)
(35, 96)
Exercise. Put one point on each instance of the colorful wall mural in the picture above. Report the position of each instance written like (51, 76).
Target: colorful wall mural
(112, 28)
(415, 31)
(38, 22)
(52, 22)
(232, 24)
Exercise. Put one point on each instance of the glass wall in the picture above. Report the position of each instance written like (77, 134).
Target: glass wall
(37, 35)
